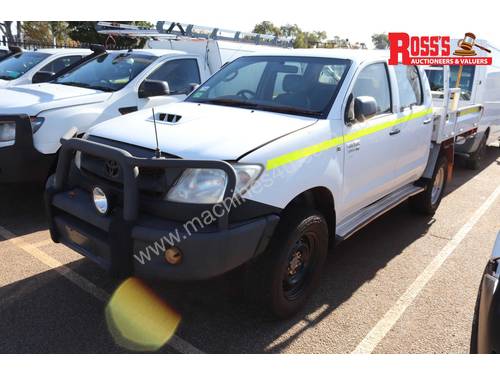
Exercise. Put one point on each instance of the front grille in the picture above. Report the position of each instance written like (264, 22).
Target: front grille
(151, 181)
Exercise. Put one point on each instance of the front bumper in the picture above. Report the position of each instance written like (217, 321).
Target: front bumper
(21, 162)
(488, 324)
(130, 242)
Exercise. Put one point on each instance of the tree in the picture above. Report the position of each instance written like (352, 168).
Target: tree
(39, 32)
(6, 29)
(300, 38)
(84, 32)
(381, 41)
(267, 27)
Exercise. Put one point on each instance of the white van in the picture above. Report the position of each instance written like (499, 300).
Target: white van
(479, 85)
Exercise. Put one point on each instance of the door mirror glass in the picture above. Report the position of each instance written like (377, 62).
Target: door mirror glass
(364, 107)
(150, 88)
(43, 76)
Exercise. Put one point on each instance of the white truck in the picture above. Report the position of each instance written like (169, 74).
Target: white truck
(110, 85)
(479, 85)
(267, 164)
(20, 67)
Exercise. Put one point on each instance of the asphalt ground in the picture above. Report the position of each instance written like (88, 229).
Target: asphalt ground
(403, 284)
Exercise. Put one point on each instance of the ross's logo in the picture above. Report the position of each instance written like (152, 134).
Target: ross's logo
(435, 50)
(112, 168)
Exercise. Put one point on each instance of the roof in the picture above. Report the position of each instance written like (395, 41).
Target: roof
(152, 51)
(358, 55)
(54, 51)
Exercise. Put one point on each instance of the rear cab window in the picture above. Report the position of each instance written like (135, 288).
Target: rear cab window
(409, 86)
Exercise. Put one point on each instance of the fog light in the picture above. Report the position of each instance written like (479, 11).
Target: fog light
(100, 201)
(173, 255)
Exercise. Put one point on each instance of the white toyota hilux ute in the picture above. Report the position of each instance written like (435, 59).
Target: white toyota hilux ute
(267, 164)
(20, 67)
(34, 117)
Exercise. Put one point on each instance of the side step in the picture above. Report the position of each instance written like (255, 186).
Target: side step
(359, 219)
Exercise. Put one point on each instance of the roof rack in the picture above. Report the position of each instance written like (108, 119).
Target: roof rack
(177, 30)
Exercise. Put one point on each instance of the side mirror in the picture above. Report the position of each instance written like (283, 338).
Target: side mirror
(150, 88)
(43, 76)
(364, 107)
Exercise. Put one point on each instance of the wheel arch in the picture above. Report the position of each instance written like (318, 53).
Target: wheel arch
(320, 198)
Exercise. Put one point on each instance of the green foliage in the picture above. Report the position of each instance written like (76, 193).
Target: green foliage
(381, 41)
(302, 39)
(84, 32)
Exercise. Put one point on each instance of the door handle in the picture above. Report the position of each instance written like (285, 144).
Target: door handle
(428, 121)
(395, 131)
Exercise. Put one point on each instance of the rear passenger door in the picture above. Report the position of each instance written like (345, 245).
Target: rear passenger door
(415, 129)
(369, 145)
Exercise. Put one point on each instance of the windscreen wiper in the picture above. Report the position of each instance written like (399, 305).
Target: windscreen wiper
(230, 102)
(7, 78)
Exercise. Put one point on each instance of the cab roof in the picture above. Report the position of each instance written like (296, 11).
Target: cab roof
(151, 51)
(357, 55)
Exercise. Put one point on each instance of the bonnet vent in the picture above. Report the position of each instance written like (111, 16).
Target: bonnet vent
(170, 118)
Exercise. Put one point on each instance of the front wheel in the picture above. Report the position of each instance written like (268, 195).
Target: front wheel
(288, 271)
(428, 201)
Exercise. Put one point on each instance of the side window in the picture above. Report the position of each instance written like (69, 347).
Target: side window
(409, 85)
(59, 64)
(179, 74)
(374, 81)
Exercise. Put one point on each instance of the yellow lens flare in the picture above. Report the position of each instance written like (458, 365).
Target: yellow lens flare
(138, 319)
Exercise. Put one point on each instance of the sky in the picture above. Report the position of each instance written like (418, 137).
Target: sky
(355, 20)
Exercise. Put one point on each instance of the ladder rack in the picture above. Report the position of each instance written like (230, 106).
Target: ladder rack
(177, 30)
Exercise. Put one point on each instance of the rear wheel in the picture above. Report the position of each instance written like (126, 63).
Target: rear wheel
(288, 271)
(428, 201)
(476, 158)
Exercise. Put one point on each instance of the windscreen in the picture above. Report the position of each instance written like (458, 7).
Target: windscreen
(16, 65)
(296, 85)
(108, 72)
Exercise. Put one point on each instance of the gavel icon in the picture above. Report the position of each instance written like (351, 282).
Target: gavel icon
(469, 42)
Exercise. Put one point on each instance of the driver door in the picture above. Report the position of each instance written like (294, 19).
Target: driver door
(180, 74)
(369, 145)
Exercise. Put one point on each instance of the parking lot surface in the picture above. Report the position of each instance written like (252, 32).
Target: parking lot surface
(403, 284)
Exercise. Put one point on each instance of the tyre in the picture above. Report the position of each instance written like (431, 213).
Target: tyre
(285, 275)
(476, 158)
(475, 325)
(428, 201)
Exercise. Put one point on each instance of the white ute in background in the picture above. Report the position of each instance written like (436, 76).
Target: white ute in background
(110, 85)
(20, 67)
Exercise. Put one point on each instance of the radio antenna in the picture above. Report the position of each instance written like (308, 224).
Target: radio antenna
(157, 151)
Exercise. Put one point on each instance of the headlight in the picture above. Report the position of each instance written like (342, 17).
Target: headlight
(7, 131)
(207, 186)
(199, 186)
(36, 122)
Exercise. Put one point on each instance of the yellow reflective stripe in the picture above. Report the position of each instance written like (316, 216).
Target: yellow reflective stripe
(325, 145)
(469, 111)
